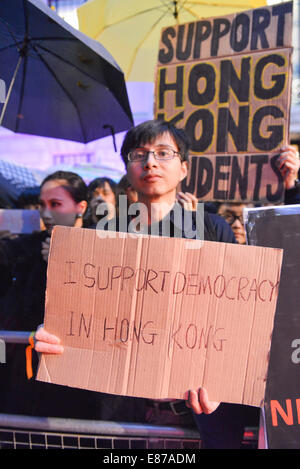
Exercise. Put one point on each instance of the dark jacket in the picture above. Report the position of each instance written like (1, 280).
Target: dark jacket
(292, 196)
(23, 291)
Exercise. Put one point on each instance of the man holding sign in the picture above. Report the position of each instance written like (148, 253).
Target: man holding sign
(155, 154)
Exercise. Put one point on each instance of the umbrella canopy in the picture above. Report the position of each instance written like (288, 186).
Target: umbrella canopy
(131, 29)
(13, 180)
(60, 83)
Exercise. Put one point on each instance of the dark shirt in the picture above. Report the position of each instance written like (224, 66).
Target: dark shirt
(213, 227)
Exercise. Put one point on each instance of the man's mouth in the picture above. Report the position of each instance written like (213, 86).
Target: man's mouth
(238, 234)
(151, 177)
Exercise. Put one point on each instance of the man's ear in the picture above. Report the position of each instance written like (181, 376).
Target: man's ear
(184, 170)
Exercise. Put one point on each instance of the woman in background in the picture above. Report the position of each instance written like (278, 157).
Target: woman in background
(23, 259)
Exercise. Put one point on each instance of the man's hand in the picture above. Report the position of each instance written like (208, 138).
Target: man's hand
(187, 200)
(199, 402)
(47, 343)
(45, 249)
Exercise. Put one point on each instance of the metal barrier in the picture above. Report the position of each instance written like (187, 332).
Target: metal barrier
(21, 431)
(15, 337)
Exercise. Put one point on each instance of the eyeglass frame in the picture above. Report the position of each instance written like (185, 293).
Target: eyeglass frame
(240, 218)
(147, 153)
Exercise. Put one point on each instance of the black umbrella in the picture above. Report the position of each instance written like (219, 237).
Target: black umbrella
(60, 83)
(14, 179)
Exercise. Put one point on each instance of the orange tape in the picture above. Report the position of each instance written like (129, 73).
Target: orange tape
(28, 353)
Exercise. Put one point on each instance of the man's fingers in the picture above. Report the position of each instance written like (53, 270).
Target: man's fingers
(44, 347)
(207, 406)
(194, 402)
(187, 200)
(46, 342)
(42, 334)
(181, 195)
(289, 148)
(290, 166)
(199, 402)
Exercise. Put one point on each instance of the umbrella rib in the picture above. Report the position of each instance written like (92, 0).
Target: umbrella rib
(53, 38)
(9, 31)
(11, 45)
(25, 8)
(17, 43)
(181, 4)
(75, 66)
(189, 2)
(216, 4)
(141, 42)
(66, 61)
(121, 20)
(166, 3)
(18, 116)
(191, 12)
(63, 88)
(10, 89)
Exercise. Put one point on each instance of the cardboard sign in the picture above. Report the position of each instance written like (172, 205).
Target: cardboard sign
(136, 322)
(227, 82)
(279, 227)
(19, 221)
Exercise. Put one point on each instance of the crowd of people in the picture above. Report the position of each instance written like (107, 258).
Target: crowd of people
(155, 154)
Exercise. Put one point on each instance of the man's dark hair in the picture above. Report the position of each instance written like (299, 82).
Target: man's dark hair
(76, 186)
(148, 131)
(123, 184)
(100, 182)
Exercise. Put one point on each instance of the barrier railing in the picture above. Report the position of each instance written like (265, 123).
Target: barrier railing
(15, 337)
(21, 431)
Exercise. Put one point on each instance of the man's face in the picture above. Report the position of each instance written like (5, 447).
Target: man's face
(103, 195)
(230, 213)
(106, 193)
(155, 179)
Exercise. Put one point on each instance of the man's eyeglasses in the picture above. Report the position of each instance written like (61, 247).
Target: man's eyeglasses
(161, 154)
(231, 217)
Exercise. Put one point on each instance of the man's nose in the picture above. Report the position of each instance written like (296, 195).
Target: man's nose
(150, 161)
(237, 223)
